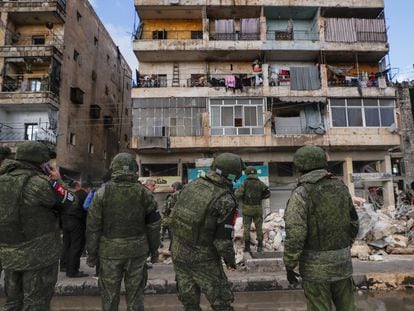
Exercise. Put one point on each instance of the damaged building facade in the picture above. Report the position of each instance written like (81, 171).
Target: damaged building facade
(63, 82)
(262, 78)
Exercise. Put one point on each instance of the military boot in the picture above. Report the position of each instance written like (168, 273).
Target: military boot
(259, 246)
(247, 246)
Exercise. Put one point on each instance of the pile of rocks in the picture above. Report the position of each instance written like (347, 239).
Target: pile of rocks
(384, 231)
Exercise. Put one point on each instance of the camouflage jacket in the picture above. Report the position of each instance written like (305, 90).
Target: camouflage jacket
(217, 215)
(168, 207)
(35, 242)
(321, 225)
(117, 225)
(251, 192)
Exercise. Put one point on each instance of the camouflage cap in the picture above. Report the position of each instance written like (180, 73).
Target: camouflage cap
(33, 151)
(4, 152)
(228, 165)
(250, 170)
(124, 162)
(310, 158)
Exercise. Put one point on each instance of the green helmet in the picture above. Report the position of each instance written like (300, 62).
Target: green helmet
(33, 151)
(310, 158)
(228, 165)
(250, 170)
(4, 152)
(124, 162)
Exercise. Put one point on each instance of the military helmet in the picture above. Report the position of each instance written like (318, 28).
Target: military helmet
(33, 151)
(310, 158)
(4, 152)
(228, 165)
(250, 170)
(124, 162)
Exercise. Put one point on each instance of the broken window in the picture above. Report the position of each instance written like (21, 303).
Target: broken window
(38, 40)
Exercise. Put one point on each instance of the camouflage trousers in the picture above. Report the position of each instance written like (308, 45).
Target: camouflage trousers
(321, 295)
(206, 277)
(257, 218)
(30, 290)
(111, 273)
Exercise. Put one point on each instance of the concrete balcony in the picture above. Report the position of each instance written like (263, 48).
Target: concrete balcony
(9, 51)
(373, 92)
(353, 139)
(32, 99)
(304, 3)
(35, 11)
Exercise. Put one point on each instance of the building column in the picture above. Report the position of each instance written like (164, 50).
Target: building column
(180, 168)
(263, 27)
(387, 186)
(265, 73)
(348, 170)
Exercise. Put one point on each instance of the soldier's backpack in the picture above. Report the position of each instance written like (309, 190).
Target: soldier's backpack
(191, 220)
(253, 192)
(11, 193)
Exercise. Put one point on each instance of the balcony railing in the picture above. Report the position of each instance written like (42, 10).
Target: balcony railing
(32, 3)
(29, 83)
(299, 35)
(234, 36)
(34, 39)
(165, 34)
(39, 132)
(202, 80)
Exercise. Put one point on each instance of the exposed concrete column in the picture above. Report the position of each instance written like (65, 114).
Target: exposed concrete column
(348, 170)
(180, 168)
(322, 29)
(387, 187)
(324, 76)
(263, 26)
(206, 24)
(265, 72)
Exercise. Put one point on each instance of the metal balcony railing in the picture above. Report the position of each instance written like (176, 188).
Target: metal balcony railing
(29, 83)
(19, 132)
(234, 36)
(299, 35)
(34, 39)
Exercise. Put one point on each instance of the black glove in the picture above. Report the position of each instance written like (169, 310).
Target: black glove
(292, 276)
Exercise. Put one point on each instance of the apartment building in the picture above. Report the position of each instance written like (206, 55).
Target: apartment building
(262, 78)
(63, 82)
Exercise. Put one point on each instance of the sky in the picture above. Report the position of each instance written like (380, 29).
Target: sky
(119, 18)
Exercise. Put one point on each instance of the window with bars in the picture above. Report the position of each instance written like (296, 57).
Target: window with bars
(236, 116)
(358, 112)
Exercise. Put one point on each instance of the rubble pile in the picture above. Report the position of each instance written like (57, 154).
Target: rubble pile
(383, 231)
(273, 234)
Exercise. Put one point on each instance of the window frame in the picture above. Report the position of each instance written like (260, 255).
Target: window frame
(364, 107)
(238, 126)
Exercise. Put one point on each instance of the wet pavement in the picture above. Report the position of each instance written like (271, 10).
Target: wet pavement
(263, 301)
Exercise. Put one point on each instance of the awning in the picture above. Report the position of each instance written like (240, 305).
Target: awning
(298, 99)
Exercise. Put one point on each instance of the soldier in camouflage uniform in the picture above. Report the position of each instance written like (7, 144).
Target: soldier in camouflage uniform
(4, 154)
(251, 193)
(29, 231)
(321, 225)
(168, 206)
(202, 226)
(123, 228)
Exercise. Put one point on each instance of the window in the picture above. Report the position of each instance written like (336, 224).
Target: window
(91, 149)
(75, 55)
(159, 35)
(76, 95)
(196, 35)
(38, 40)
(106, 90)
(78, 16)
(236, 117)
(359, 112)
(72, 139)
(108, 122)
(35, 85)
(95, 41)
(30, 131)
(95, 112)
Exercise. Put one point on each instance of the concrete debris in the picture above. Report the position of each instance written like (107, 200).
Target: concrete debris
(388, 230)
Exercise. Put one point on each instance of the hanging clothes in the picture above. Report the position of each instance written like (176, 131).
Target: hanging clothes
(304, 78)
(230, 81)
